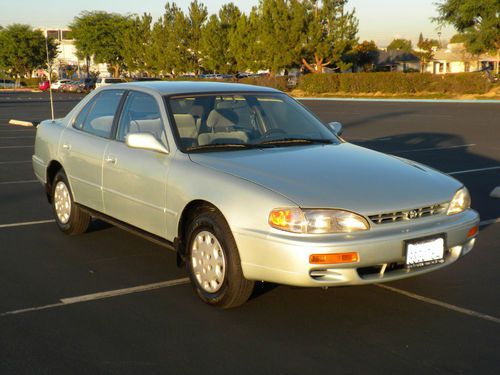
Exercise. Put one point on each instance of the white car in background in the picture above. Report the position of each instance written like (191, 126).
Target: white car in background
(57, 84)
(108, 81)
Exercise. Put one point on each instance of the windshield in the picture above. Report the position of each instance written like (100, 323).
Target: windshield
(219, 122)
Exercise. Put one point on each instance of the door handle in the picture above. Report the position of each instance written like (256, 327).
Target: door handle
(66, 146)
(110, 159)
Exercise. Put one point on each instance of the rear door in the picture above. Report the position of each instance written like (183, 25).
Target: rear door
(83, 144)
(134, 180)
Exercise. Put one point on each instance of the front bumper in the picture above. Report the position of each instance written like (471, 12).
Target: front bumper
(283, 258)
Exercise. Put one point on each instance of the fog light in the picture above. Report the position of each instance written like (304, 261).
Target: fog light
(334, 258)
(468, 246)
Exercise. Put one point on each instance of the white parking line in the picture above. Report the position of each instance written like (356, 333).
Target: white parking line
(27, 137)
(431, 149)
(18, 182)
(15, 162)
(102, 295)
(26, 223)
(445, 305)
(474, 170)
(488, 222)
(17, 146)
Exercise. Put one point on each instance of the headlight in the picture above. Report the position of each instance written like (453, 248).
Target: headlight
(460, 202)
(297, 220)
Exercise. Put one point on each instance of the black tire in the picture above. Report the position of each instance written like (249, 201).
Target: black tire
(79, 220)
(235, 289)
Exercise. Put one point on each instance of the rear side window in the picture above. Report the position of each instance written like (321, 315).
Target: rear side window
(97, 116)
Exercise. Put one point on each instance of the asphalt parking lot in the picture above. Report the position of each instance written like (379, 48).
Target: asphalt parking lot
(109, 302)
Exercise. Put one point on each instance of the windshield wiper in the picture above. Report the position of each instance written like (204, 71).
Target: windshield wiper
(297, 141)
(222, 146)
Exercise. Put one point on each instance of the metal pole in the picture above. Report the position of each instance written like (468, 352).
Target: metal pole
(50, 79)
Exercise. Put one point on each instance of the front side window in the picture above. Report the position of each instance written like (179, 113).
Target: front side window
(97, 116)
(221, 121)
(140, 114)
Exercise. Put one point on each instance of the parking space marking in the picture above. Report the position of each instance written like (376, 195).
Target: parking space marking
(15, 162)
(26, 223)
(445, 305)
(18, 182)
(431, 149)
(474, 170)
(27, 137)
(30, 146)
(102, 295)
(488, 222)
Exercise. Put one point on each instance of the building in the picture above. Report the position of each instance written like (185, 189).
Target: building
(397, 61)
(67, 62)
(455, 59)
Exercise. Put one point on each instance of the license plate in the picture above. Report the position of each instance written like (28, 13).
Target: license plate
(421, 252)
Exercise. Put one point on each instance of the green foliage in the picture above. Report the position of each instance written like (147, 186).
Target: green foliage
(23, 50)
(137, 45)
(401, 45)
(216, 37)
(278, 83)
(458, 38)
(366, 54)
(394, 83)
(477, 20)
(425, 52)
(103, 36)
(330, 35)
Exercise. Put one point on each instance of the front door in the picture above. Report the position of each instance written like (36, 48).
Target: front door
(134, 180)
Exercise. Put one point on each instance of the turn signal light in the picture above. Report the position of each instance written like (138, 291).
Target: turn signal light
(472, 231)
(333, 258)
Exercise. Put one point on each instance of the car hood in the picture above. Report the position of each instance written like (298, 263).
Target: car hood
(336, 176)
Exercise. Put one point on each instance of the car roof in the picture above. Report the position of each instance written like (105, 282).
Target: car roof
(191, 87)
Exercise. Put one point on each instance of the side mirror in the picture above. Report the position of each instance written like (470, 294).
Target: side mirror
(336, 128)
(145, 141)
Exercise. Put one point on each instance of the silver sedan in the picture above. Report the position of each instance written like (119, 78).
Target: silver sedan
(246, 185)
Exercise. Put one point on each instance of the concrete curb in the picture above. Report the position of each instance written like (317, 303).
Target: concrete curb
(474, 101)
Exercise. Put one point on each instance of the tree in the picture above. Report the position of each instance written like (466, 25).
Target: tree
(366, 54)
(458, 38)
(101, 35)
(24, 49)
(137, 45)
(281, 29)
(330, 35)
(401, 45)
(215, 40)
(425, 51)
(245, 43)
(197, 15)
(477, 20)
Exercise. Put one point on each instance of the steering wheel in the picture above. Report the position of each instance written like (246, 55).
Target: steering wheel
(270, 132)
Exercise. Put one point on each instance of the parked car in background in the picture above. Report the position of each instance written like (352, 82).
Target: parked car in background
(108, 81)
(44, 85)
(86, 85)
(247, 185)
(7, 84)
(57, 84)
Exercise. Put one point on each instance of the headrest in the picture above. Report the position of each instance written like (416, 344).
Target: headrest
(222, 118)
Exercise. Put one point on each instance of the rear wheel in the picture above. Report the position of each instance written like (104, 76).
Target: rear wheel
(69, 217)
(213, 262)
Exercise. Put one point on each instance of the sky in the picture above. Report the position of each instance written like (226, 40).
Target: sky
(379, 20)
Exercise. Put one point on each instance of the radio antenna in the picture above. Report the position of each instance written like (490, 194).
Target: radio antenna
(49, 74)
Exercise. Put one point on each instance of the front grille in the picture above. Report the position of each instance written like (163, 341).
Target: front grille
(416, 213)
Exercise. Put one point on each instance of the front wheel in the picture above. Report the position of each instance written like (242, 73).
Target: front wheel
(70, 218)
(213, 262)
